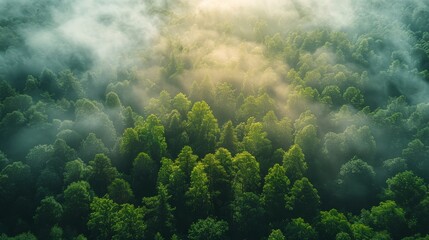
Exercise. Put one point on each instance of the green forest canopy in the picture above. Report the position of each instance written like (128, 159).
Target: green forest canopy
(183, 119)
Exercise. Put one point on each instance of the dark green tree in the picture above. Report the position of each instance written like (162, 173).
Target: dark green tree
(76, 170)
(299, 229)
(245, 175)
(77, 199)
(228, 138)
(48, 214)
(91, 146)
(202, 128)
(198, 197)
(144, 174)
(208, 229)
(303, 200)
(218, 182)
(102, 218)
(294, 163)
(102, 173)
(356, 184)
(276, 234)
(331, 223)
(129, 224)
(247, 212)
(406, 189)
(159, 213)
(120, 191)
(274, 192)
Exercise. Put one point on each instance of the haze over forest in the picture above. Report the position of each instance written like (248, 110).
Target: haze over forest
(198, 119)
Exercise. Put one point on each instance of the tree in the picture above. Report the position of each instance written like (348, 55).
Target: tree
(102, 173)
(274, 194)
(331, 223)
(294, 163)
(112, 100)
(247, 212)
(186, 161)
(225, 101)
(406, 189)
(48, 214)
(16, 192)
(225, 158)
(159, 213)
(303, 200)
(120, 191)
(77, 199)
(198, 196)
(256, 143)
(228, 138)
(218, 182)
(70, 86)
(246, 176)
(176, 136)
(276, 234)
(144, 174)
(178, 186)
(62, 154)
(152, 137)
(388, 216)
(356, 184)
(181, 103)
(354, 97)
(129, 223)
(202, 128)
(362, 231)
(278, 132)
(165, 172)
(91, 146)
(298, 229)
(102, 218)
(75, 170)
(255, 107)
(309, 141)
(208, 229)
(89, 118)
(394, 166)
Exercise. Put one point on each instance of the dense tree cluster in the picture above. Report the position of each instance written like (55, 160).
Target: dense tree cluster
(220, 160)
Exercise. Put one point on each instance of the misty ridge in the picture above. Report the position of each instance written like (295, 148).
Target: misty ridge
(199, 119)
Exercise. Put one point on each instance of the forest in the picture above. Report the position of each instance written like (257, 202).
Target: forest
(214, 120)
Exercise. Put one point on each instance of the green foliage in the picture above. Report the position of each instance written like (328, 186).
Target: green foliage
(406, 189)
(159, 213)
(228, 138)
(294, 163)
(247, 212)
(102, 173)
(388, 216)
(274, 192)
(77, 199)
(48, 213)
(198, 196)
(102, 218)
(276, 234)
(304, 200)
(120, 191)
(144, 174)
(316, 112)
(299, 229)
(331, 223)
(208, 229)
(245, 173)
(202, 128)
(128, 224)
